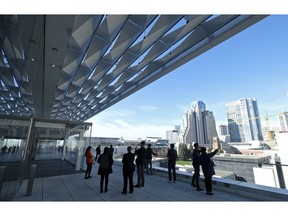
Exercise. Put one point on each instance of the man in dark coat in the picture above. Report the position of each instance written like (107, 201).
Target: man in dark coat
(149, 155)
(128, 169)
(172, 156)
(207, 168)
(140, 163)
(98, 151)
(195, 159)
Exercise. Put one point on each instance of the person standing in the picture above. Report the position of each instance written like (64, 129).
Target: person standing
(172, 156)
(207, 168)
(89, 162)
(98, 151)
(195, 164)
(111, 150)
(149, 155)
(128, 170)
(140, 163)
(105, 168)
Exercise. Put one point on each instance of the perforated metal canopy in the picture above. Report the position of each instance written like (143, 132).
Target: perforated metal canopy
(72, 67)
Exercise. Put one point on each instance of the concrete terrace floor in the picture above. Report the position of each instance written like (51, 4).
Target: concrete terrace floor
(74, 187)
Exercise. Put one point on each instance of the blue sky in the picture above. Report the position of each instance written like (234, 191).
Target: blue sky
(254, 63)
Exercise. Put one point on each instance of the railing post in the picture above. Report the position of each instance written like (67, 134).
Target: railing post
(31, 180)
(2, 171)
(280, 175)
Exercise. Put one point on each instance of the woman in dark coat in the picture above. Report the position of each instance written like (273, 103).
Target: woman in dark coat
(105, 161)
(207, 168)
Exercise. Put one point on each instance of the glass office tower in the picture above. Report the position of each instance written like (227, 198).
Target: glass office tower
(198, 125)
(244, 122)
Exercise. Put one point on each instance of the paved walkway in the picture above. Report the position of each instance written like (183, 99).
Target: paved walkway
(74, 187)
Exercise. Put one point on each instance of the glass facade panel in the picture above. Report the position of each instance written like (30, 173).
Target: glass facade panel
(54, 147)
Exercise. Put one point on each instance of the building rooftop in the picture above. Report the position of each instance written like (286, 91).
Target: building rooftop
(74, 187)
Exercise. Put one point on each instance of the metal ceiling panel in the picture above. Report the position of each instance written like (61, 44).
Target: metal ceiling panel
(71, 67)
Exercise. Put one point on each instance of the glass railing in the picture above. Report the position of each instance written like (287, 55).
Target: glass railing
(255, 169)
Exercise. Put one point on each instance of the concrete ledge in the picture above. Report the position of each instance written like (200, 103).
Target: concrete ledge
(258, 192)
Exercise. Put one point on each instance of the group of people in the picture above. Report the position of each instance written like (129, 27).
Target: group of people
(105, 161)
(201, 158)
(144, 159)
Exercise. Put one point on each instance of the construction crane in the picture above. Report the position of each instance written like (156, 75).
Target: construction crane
(269, 135)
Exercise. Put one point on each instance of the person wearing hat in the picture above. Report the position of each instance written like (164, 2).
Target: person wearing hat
(140, 164)
(149, 155)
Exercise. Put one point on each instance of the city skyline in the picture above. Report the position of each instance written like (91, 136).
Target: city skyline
(252, 64)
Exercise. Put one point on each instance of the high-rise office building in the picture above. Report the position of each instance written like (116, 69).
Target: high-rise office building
(198, 125)
(244, 123)
(223, 130)
(283, 121)
(223, 134)
(173, 135)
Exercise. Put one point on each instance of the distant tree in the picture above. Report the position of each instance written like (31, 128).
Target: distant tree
(183, 152)
(190, 149)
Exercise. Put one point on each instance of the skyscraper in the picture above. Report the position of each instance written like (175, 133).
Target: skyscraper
(173, 135)
(198, 125)
(283, 121)
(223, 130)
(244, 123)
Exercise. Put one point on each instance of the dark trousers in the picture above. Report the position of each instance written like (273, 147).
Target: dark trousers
(106, 178)
(195, 177)
(171, 168)
(140, 175)
(208, 183)
(128, 176)
(149, 166)
(88, 170)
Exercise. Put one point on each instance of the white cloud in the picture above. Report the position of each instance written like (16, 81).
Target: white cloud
(121, 123)
(120, 128)
(148, 108)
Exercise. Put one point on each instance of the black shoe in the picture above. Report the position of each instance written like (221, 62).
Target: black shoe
(142, 185)
(137, 186)
(101, 191)
(105, 190)
(85, 177)
(89, 176)
(210, 193)
(199, 189)
(124, 192)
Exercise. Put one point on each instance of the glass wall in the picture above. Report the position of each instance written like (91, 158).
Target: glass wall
(53, 147)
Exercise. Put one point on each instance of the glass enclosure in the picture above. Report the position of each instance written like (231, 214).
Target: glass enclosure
(52, 147)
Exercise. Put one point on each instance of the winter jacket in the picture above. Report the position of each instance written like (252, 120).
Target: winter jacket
(205, 162)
